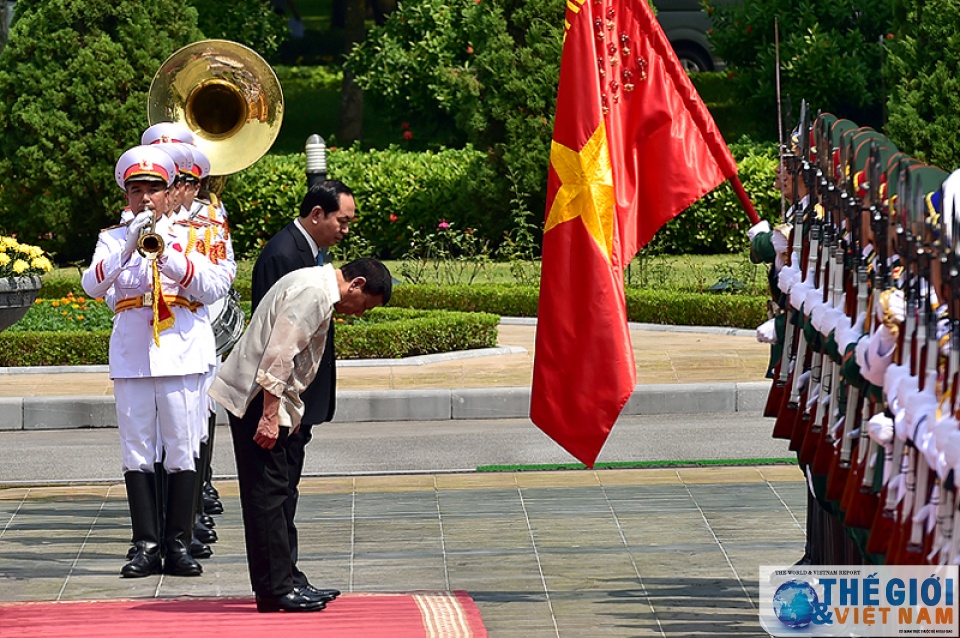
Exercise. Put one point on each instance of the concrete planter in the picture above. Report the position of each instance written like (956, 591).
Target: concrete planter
(17, 294)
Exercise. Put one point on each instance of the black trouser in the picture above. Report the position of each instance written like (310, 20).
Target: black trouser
(296, 451)
(264, 491)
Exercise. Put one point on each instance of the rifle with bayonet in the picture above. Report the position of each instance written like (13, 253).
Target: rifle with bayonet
(861, 498)
(806, 429)
(803, 218)
(884, 524)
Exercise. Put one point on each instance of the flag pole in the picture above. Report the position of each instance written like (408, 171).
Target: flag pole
(744, 200)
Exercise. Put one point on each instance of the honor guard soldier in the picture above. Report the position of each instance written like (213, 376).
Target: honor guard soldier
(160, 348)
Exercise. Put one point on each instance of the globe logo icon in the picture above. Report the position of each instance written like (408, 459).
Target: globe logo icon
(794, 602)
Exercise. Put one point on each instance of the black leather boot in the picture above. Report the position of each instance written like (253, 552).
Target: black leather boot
(203, 533)
(199, 549)
(141, 499)
(211, 505)
(178, 533)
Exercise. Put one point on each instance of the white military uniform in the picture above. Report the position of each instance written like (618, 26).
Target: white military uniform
(210, 240)
(157, 385)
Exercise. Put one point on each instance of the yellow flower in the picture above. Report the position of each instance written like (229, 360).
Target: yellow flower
(22, 259)
(41, 263)
(55, 304)
(76, 305)
(64, 313)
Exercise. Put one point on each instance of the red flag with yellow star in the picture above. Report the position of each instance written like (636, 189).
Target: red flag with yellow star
(633, 146)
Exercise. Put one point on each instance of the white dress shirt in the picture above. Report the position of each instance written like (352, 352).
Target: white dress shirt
(281, 349)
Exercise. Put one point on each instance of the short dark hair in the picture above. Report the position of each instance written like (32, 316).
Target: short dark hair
(379, 282)
(326, 195)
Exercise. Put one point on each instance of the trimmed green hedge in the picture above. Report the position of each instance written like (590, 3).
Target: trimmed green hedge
(54, 348)
(644, 306)
(513, 300)
(387, 333)
(382, 333)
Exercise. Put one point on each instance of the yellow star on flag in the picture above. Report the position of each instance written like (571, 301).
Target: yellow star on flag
(586, 189)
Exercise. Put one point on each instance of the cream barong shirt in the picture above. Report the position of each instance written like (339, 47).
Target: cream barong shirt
(281, 348)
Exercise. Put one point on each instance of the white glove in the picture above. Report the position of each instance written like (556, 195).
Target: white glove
(798, 293)
(811, 300)
(848, 334)
(787, 277)
(880, 427)
(779, 241)
(896, 306)
(767, 332)
(756, 229)
(141, 221)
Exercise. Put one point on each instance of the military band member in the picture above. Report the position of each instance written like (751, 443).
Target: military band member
(160, 348)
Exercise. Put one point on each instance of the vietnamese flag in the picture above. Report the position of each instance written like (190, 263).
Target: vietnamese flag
(633, 146)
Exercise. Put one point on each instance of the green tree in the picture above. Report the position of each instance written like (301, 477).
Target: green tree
(477, 71)
(830, 55)
(73, 83)
(253, 23)
(922, 70)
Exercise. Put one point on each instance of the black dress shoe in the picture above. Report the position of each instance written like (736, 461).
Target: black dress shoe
(292, 601)
(146, 561)
(207, 521)
(208, 488)
(131, 552)
(199, 549)
(204, 534)
(179, 562)
(212, 505)
(323, 595)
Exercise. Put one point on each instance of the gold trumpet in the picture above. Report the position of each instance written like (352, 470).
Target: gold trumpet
(150, 245)
(227, 95)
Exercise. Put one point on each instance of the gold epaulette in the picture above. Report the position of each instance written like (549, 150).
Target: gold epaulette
(215, 200)
(818, 208)
(123, 225)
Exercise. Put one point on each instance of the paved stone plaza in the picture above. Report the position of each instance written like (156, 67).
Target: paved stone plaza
(573, 553)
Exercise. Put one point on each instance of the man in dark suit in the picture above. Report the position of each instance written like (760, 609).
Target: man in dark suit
(326, 213)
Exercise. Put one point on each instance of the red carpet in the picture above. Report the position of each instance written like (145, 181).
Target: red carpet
(437, 614)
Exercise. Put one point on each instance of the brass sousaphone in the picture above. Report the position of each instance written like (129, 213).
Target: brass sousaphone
(230, 99)
(226, 94)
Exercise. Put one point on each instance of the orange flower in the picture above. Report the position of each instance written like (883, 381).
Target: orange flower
(55, 304)
(82, 299)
